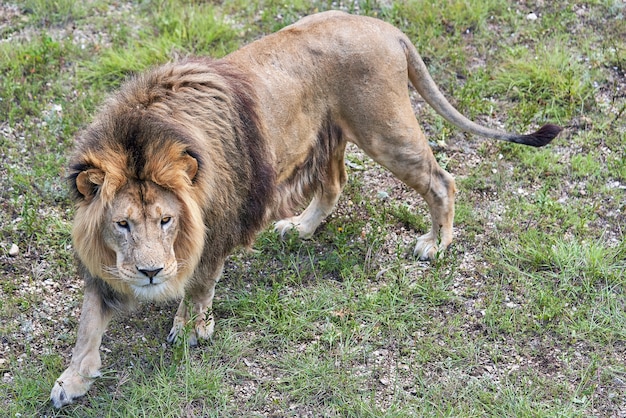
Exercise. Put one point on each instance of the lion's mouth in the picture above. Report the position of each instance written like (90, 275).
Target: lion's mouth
(151, 283)
(149, 291)
(158, 290)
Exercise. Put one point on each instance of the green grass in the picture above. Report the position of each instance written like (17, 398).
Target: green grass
(523, 316)
(57, 12)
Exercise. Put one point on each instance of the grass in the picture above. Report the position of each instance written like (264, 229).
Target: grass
(523, 316)
(169, 30)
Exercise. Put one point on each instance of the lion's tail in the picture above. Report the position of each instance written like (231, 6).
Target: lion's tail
(426, 87)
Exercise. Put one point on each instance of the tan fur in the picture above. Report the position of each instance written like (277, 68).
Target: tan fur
(192, 159)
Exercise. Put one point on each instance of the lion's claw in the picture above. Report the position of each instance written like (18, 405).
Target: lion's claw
(283, 227)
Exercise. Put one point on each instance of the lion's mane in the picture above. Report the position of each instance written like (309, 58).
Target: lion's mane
(148, 131)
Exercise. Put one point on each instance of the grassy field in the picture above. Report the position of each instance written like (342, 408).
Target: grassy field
(525, 316)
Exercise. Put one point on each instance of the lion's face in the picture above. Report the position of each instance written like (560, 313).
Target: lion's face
(140, 232)
(141, 226)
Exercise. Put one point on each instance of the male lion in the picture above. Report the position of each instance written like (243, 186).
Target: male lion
(194, 158)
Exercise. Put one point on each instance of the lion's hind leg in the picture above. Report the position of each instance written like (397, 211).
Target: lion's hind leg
(440, 199)
(406, 153)
(422, 173)
(323, 201)
(196, 311)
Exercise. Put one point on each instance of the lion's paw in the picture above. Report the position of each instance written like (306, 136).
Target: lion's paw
(426, 248)
(285, 226)
(203, 330)
(176, 331)
(69, 386)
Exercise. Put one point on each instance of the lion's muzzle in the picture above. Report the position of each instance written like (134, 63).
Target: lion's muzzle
(150, 273)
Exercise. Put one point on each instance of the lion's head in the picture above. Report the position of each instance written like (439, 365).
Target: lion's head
(139, 219)
(174, 160)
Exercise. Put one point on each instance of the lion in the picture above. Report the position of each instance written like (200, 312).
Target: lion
(192, 159)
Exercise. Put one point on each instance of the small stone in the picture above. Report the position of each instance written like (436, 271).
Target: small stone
(531, 16)
(14, 250)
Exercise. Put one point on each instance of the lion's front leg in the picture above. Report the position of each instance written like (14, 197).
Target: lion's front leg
(196, 308)
(84, 367)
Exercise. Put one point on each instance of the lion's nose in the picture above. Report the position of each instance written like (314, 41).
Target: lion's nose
(150, 273)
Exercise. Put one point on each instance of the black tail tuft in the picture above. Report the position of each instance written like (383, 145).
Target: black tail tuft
(542, 137)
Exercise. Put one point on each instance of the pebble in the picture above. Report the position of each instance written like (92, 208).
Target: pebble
(382, 195)
(14, 250)
(531, 16)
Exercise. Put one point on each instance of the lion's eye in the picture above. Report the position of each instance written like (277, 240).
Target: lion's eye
(123, 224)
(166, 220)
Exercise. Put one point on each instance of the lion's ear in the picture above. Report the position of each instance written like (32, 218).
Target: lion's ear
(88, 181)
(191, 166)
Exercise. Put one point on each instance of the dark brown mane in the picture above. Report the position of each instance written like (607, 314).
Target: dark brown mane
(251, 141)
